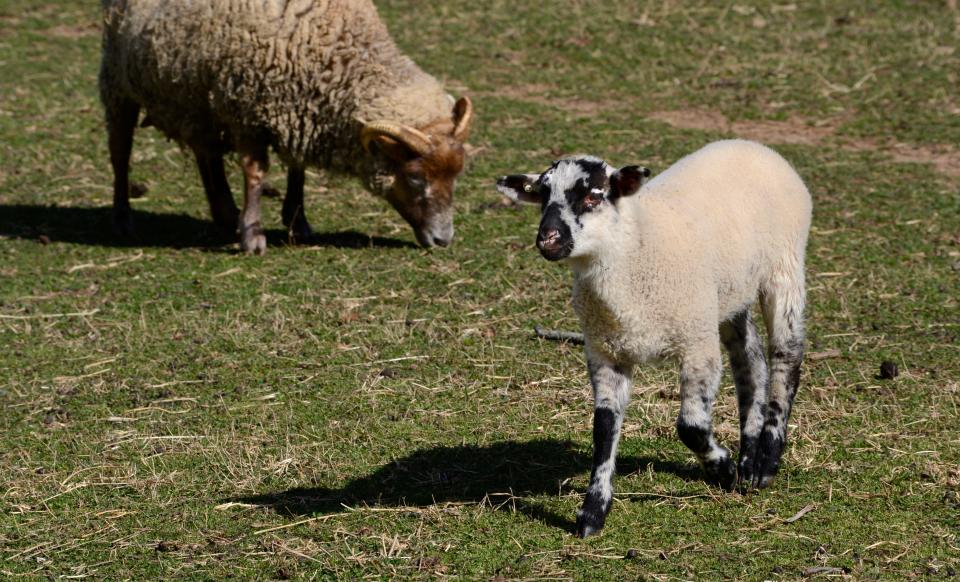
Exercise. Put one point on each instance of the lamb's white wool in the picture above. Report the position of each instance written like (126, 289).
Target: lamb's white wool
(302, 77)
(671, 270)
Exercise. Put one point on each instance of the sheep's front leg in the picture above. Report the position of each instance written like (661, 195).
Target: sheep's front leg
(611, 393)
(699, 379)
(252, 238)
(293, 214)
(222, 207)
(121, 124)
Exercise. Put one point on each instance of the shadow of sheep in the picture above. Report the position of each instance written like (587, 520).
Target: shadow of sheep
(464, 474)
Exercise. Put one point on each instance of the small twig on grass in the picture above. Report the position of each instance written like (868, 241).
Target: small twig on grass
(832, 353)
(298, 553)
(560, 336)
(296, 523)
(807, 509)
(659, 495)
(823, 570)
(50, 315)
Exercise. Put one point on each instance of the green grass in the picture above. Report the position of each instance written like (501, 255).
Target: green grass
(361, 407)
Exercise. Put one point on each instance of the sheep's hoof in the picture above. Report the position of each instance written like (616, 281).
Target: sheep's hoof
(123, 224)
(226, 221)
(300, 232)
(252, 240)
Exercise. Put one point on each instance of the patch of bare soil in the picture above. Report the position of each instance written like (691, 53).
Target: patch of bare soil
(945, 158)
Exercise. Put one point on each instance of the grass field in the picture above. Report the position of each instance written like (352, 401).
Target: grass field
(362, 407)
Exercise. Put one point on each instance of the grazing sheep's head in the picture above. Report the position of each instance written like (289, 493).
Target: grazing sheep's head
(417, 168)
(578, 198)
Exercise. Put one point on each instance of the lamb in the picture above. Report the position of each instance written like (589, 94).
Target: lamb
(670, 270)
(322, 83)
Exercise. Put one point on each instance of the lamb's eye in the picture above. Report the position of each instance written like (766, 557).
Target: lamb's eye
(416, 182)
(591, 201)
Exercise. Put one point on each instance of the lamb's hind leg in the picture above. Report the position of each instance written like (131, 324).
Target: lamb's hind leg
(121, 122)
(699, 380)
(611, 393)
(782, 304)
(749, 367)
(293, 214)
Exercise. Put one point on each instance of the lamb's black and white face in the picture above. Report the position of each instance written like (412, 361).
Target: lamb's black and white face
(577, 197)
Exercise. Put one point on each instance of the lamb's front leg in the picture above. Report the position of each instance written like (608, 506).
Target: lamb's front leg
(699, 379)
(611, 393)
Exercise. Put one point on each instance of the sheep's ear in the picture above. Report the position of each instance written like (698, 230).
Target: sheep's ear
(462, 119)
(627, 180)
(520, 187)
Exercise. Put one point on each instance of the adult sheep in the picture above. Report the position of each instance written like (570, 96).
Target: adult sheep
(322, 83)
(671, 270)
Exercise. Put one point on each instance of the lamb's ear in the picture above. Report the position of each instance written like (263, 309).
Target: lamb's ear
(627, 180)
(520, 187)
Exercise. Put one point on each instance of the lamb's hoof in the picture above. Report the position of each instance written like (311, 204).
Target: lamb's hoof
(591, 517)
(123, 225)
(722, 473)
(747, 478)
(588, 524)
(747, 464)
(766, 464)
(252, 240)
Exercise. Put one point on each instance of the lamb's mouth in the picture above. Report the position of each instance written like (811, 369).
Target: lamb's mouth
(557, 252)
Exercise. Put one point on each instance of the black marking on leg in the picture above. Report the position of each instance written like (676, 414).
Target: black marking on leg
(720, 471)
(593, 513)
(697, 438)
(604, 427)
(793, 383)
(774, 413)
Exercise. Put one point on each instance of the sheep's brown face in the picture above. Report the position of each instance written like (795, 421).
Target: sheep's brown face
(417, 168)
(422, 190)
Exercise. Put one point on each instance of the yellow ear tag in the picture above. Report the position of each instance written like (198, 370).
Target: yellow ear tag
(528, 188)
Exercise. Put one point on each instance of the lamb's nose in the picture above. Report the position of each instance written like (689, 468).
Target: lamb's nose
(548, 239)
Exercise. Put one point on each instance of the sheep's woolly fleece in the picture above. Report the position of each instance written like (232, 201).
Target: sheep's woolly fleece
(301, 74)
